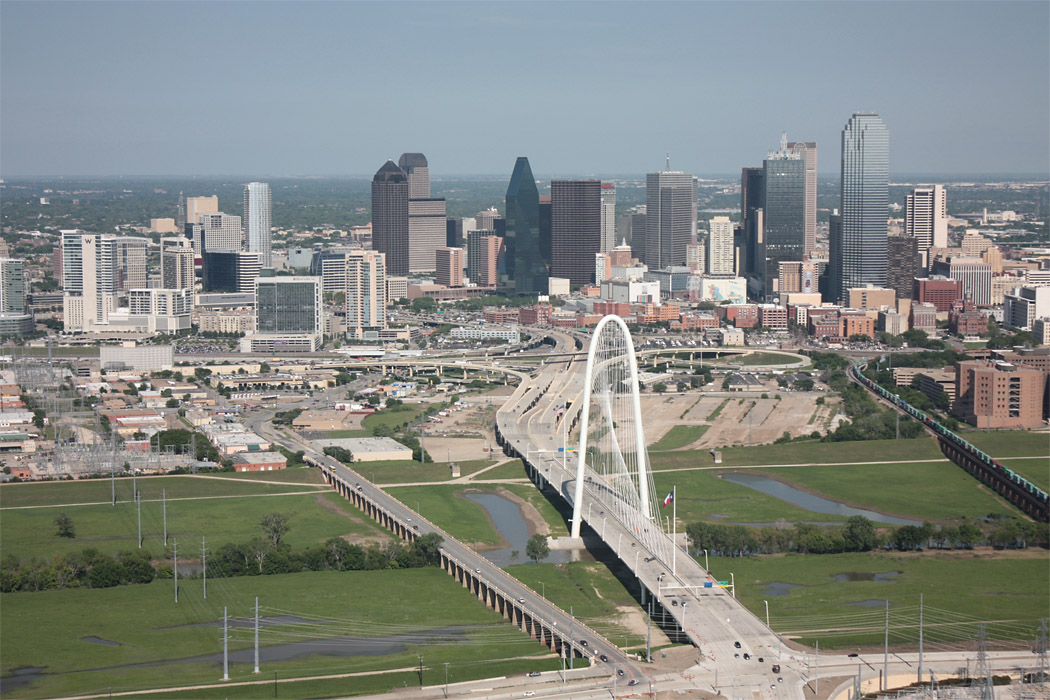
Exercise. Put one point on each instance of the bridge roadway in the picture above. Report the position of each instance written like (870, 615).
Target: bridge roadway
(710, 618)
(520, 604)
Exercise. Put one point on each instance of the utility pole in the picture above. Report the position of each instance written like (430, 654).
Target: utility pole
(175, 567)
(164, 512)
(420, 670)
(204, 565)
(446, 679)
(898, 429)
(138, 508)
(572, 622)
(886, 651)
(920, 637)
(256, 635)
(225, 647)
(113, 480)
(649, 634)
(816, 675)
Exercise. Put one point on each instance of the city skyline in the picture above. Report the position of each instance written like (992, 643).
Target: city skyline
(77, 105)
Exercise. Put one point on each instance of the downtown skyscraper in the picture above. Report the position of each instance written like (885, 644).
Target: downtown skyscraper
(926, 217)
(784, 236)
(576, 228)
(390, 217)
(258, 209)
(524, 268)
(669, 212)
(861, 258)
(427, 222)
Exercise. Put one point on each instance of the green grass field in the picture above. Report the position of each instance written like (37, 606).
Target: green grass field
(588, 588)
(1010, 443)
(292, 475)
(762, 358)
(394, 419)
(513, 469)
(901, 489)
(406, 471)
(898, 489)
(958, 589)
(805, 453)
(315, 517)
(445, 506)
(99, 490)
(1035, 470)
(46, 629)
(679, 436)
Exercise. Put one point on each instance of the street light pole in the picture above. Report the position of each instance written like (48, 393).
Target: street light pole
(767, 612)
(706, 566)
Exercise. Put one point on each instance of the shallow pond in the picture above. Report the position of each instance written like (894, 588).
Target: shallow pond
(809, 501)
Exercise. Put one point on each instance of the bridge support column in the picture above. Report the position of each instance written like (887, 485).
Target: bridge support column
(644, 591)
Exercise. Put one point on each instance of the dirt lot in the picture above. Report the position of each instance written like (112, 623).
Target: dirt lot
(768, 419)
(461, 449)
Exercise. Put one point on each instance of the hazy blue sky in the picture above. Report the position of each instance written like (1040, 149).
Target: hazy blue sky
(299, 88)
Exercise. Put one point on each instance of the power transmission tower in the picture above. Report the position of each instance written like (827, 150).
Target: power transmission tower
(204, 565)
(175, 566)
(984, 670)
(225, 646)
(256, 635)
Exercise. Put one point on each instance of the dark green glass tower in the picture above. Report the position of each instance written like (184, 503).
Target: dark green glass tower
(525, 270)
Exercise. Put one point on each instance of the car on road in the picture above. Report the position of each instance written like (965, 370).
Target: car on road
(736, 644)
(851, 656)
(529, 693)
(747, 657)
(776, 668)
(477, 571)
(533, 674)
(604, 658)
(583, 642)
(522, 600)
(619, 672)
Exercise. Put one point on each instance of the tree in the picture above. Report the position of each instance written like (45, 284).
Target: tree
(171, 403)
(64, 523)
(274, 526)
(537, 548)
(859, 534)
(106, 574)
(659, 387)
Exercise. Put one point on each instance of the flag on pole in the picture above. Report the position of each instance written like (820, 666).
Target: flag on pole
(670, 497)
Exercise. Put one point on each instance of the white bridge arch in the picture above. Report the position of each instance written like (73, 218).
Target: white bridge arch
(613, 465)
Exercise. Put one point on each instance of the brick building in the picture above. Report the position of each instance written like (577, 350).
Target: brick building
(1000, 394)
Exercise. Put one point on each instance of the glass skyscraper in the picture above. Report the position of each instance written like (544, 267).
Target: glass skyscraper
(865, 201)
(257, 213)
(670, 198)
(390, 217)
(524, 267)
(785, 215)
(288, 304)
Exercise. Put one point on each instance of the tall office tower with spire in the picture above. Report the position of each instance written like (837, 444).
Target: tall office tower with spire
(865, 201)
(576, 228)
(784, 215)
(720, 250)
(608, 216)
(427, 221)
(524, 268)
(669, 225)
(807, 151)
(390, 217)
(258, 208)
(926, 217)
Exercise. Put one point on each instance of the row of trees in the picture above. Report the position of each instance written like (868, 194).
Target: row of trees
(267, 554)
(86, 568)
(859, 534)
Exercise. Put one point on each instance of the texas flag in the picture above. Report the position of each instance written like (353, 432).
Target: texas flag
(670, 497)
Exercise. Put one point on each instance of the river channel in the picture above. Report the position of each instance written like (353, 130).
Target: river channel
(809, 501)
(506, 516)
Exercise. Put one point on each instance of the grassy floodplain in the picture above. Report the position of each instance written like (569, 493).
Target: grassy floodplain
(46, 630)
(679, 436)
(220, 510)
(958, 588)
